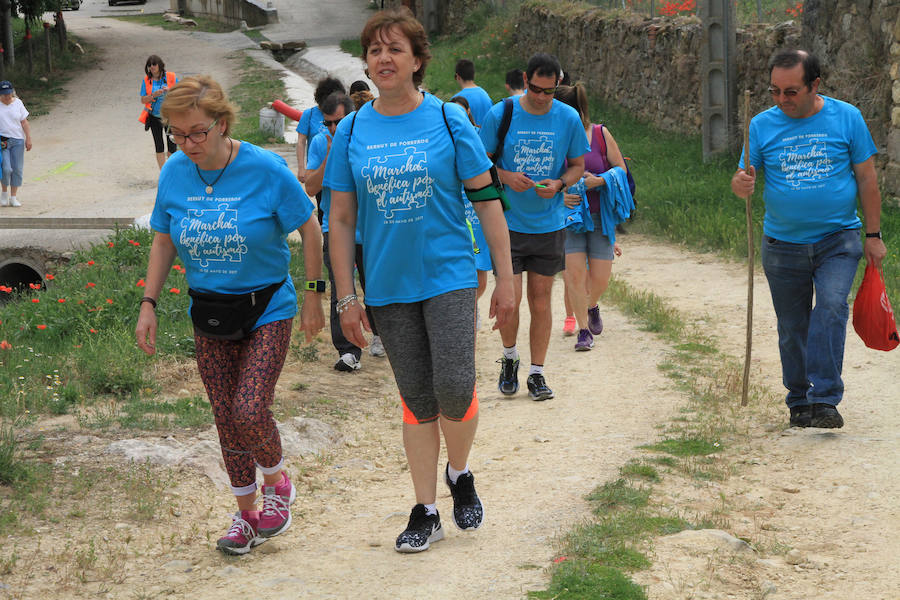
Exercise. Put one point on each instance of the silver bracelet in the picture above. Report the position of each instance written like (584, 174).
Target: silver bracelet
(344, 303)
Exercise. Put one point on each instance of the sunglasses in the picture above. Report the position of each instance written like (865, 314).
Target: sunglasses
(787, 93)
(328, 123)
(540, 90)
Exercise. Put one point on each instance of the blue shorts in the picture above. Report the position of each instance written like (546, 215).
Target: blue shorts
(593, 243)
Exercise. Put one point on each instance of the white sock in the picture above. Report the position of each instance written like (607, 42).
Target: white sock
(453, 474)
(430, 509)
(511, 353)
(4, 195)
(536, 370)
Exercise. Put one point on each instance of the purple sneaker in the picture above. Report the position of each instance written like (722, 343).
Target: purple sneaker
(585, 341)
(275, 516)
(595, 323)
(243, 534)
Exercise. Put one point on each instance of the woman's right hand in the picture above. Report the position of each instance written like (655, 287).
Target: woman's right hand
(593, 181)
(571, 200)
(353, 321)
(146, 329)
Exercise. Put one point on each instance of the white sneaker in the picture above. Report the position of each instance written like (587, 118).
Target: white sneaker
(4, 198)
(13, 201)
(347, 363)
(376, 348)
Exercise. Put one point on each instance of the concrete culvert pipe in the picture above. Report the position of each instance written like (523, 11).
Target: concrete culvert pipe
(17, 272)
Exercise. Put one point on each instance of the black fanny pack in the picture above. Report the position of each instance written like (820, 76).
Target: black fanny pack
(230, 316)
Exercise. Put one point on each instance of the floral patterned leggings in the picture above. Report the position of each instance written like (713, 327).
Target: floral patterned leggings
(240, 381)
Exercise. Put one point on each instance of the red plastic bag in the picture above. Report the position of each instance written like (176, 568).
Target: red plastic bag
(873, 318)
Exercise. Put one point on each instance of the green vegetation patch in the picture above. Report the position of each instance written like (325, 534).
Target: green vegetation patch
(685, 447)
(617, 495)
(258, 85)
(586, 580)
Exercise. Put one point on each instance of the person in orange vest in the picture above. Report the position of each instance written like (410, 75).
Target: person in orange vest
(156, 83)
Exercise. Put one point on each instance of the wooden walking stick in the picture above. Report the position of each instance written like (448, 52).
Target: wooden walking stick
(749, 209)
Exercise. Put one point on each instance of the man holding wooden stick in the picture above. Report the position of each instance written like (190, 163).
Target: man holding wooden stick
(817, 157)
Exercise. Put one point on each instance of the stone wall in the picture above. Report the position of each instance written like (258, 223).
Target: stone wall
(651, 66)
(232, 12)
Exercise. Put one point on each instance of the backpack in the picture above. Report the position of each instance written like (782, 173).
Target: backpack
(631, 186)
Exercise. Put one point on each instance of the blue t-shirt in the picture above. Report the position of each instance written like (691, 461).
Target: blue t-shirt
(234, 240)
(537, 145)
(318, 152)
(479, 242)
(808, 166)
(479, 102)
(406, 174)
(155, 84)
(310, 124)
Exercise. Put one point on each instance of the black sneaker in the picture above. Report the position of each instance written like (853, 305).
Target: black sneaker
(537, 387)
(421, 530)
(801, 415)
(509, 376)
(825, 416)
(468, 511)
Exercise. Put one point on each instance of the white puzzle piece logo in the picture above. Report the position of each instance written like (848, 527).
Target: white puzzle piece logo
(211, 235)
(534, 156)
(805, 163)
(399, 182)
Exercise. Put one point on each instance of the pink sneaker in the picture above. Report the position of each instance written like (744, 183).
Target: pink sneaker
(275, 516)
(243, 534)
(569, 326)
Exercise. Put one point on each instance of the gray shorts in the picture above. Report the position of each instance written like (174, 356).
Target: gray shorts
(541, 253)
(593, 243)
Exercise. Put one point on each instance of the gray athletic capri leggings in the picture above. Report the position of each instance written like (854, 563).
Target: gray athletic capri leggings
(431, 346)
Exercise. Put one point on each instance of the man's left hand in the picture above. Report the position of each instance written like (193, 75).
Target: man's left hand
(875, 251)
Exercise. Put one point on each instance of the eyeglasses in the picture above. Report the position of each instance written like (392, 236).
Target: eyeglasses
(328, 123)
(540, 90)
(790, 93)
(198, 137)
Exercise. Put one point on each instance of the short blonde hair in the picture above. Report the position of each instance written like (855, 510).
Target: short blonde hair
(203, 93)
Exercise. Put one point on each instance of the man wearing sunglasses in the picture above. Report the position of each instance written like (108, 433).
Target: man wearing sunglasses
(817, 157)
(334, 108)
(542, 155)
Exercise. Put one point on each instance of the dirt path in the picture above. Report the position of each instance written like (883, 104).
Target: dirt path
(831, 496)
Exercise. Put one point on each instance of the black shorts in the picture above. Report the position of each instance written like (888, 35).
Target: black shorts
(541, 253)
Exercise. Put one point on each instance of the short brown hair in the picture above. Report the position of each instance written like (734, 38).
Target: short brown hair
(403, 19)
(203, 93)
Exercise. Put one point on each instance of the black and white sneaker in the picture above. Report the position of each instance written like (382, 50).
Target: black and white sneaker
(421, 531)
(468, 511)
(537, 387)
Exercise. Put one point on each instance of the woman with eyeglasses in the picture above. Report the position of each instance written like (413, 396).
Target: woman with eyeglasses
(395, 171)
(154, 86)
(225, 208)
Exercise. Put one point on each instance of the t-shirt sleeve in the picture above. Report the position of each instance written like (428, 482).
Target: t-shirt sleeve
(578, 142)
(317, 152)
(488, 132)
(292, 206)
(303, 123)
(471, 158)
(159, 218)
(861, 144)
(338, 172)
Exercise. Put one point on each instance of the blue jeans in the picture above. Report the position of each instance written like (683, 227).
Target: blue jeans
(811, 339)
(13, 162)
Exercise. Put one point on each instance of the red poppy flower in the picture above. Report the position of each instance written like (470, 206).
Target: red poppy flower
(41, 326)
(175, 290)
(81, 302)
(93, 330)
(61, 300)
(35, 300)
(90, 263)
(560, 559)
(90, 284)
(48, 277)
(134, 243)
(140, 283)
(34, 286)
(109, 300)
(109, 244)
(4, 345)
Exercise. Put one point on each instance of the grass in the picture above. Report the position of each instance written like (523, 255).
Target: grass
(258, 85)
(203, 23)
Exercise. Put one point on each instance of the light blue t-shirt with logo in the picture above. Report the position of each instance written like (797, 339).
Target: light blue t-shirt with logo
(407, 174)
(234, 240)
(808, 163)
(155, 84)
(537, 145)
(479, 102)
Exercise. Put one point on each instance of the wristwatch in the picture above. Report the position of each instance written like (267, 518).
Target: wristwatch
(876, 234)
(315, 285)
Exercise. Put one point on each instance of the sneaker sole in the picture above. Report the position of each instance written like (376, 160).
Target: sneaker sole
(241, 550)
(345, 368)
(583, 348)
(435, 536)
(507, 392)
(832, 422)
(540, 397)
